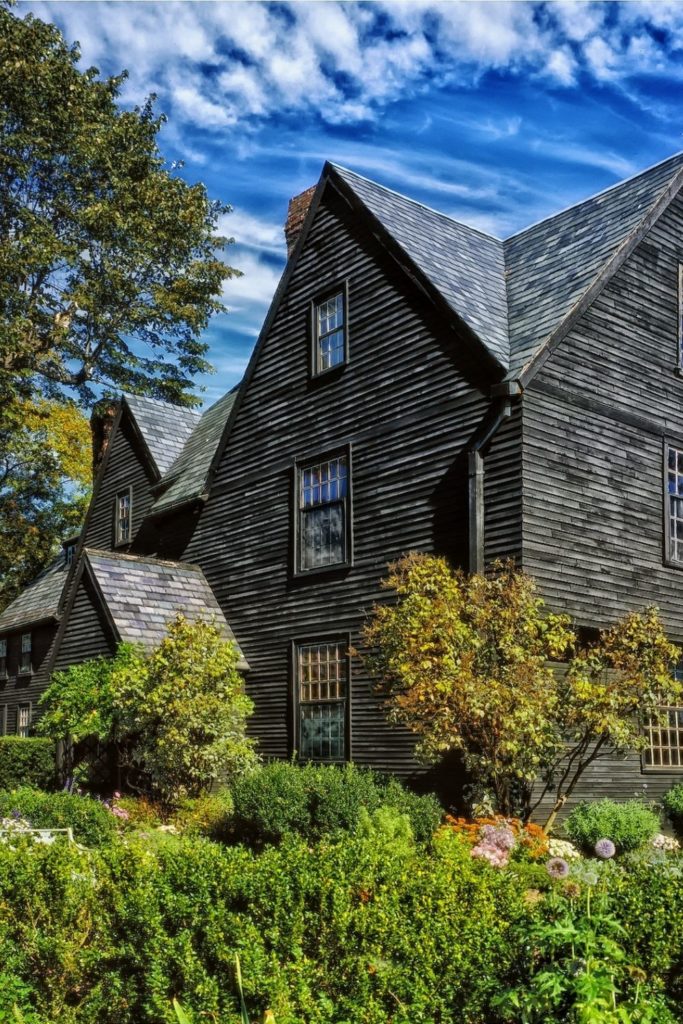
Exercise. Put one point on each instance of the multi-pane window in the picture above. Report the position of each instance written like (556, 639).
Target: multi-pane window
(330, 336)
(25, 656)
(24, 719)
(322, 683)
(674, 497)
(69, 552)
(3, 658)
(124, 501)
(322, 513)
(665, 735)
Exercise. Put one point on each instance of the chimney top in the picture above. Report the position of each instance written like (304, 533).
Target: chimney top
(296, 215)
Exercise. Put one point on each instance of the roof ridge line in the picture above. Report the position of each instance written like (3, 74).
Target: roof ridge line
(593, 195)
(416, 202)
(649, 218)
(147, 559)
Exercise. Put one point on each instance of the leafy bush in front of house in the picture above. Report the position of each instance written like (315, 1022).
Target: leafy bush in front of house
(27, 761)
(673, 805)
(93, 824)
(207, 815)
(629, 825)
(282, 798)
(365, 928)
(176, 716)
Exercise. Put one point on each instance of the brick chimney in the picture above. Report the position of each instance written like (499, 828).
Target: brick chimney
(101, 423)
(296, 214)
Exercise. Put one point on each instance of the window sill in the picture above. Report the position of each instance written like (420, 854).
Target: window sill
(326, 376)
(25, 673)
(338, 569)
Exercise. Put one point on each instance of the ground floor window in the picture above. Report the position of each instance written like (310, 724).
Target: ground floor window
(23, 719)
(322, 685)
(665, 736)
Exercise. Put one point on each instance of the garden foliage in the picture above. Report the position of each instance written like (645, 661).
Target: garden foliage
(673, 805)
(463, 661)
(176, 716)
(92, 823)
(26, 761)
(282, 799)
(629, 825)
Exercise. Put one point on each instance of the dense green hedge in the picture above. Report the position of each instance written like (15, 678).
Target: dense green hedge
(629, 824)
(92, 823)
(283, 799)
(26, 761)
(361, 928)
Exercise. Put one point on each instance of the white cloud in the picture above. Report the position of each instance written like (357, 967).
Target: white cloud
(253, 232)
(221, 64)
(256, 287)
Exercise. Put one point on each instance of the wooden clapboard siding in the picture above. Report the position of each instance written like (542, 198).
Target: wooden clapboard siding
(503, 491)
(594, 424)
(85, 634)
(407, 409)
(125, 466)
(17, 689)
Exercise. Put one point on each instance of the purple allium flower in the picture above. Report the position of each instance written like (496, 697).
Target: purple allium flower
(605, 849)
(16, 814)
(500, 836)
(557, 867)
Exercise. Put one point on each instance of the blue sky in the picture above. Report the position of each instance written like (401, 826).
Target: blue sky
(495, 113)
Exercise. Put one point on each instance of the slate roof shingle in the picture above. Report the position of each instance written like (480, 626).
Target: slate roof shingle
(465, 265)
(40, 600)
(515, 293)
(143, 595)
(187, 477)
(164, 427)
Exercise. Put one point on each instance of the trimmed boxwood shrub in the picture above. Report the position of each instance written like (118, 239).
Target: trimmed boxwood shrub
(629, 825)
(317, 800)
(27, 761)
(673, 805)
(92, 823)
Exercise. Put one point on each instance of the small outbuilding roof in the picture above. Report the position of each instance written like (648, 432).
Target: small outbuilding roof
(40, 600)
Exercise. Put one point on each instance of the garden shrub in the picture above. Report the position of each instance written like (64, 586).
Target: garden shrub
(317, 800)
(205, 815)
(629, 825)
(92, 823)
(673, 805)
(27, 761)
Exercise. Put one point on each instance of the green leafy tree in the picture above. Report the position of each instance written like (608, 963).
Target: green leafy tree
(45, 475)
(609, 694)
(108, 259)
(463, 660)
(177, 715)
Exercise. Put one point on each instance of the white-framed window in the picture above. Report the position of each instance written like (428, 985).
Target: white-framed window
(69, 553)
(674, 503)
(25, 666)
(122, 516)
(329, 332)
(323, 527)
(3, 657)
(665, 740)
(23, 718)
(322, 684)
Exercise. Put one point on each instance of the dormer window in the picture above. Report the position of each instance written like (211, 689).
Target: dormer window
(122, 516)
(3, 658)
(329, 332)
(69, 553)
(25, 668)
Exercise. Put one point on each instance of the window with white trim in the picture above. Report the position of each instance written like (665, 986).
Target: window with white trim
(24, 718)
(674, 499)
(3, 658)
(25, 667)
(323, 527)
(123, 513)
(665, 740)
(329, 333)
(322, 682)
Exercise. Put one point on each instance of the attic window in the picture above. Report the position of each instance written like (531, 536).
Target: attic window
(69, 552)
(329, 332)
(122, 516)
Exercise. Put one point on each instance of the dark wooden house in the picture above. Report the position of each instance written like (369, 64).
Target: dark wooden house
(419, 385)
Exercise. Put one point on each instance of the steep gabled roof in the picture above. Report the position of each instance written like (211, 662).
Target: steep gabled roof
(464, 265)
(551, 265)
(142, 595)
(187, 477)
(165, 428)
(40, 600)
